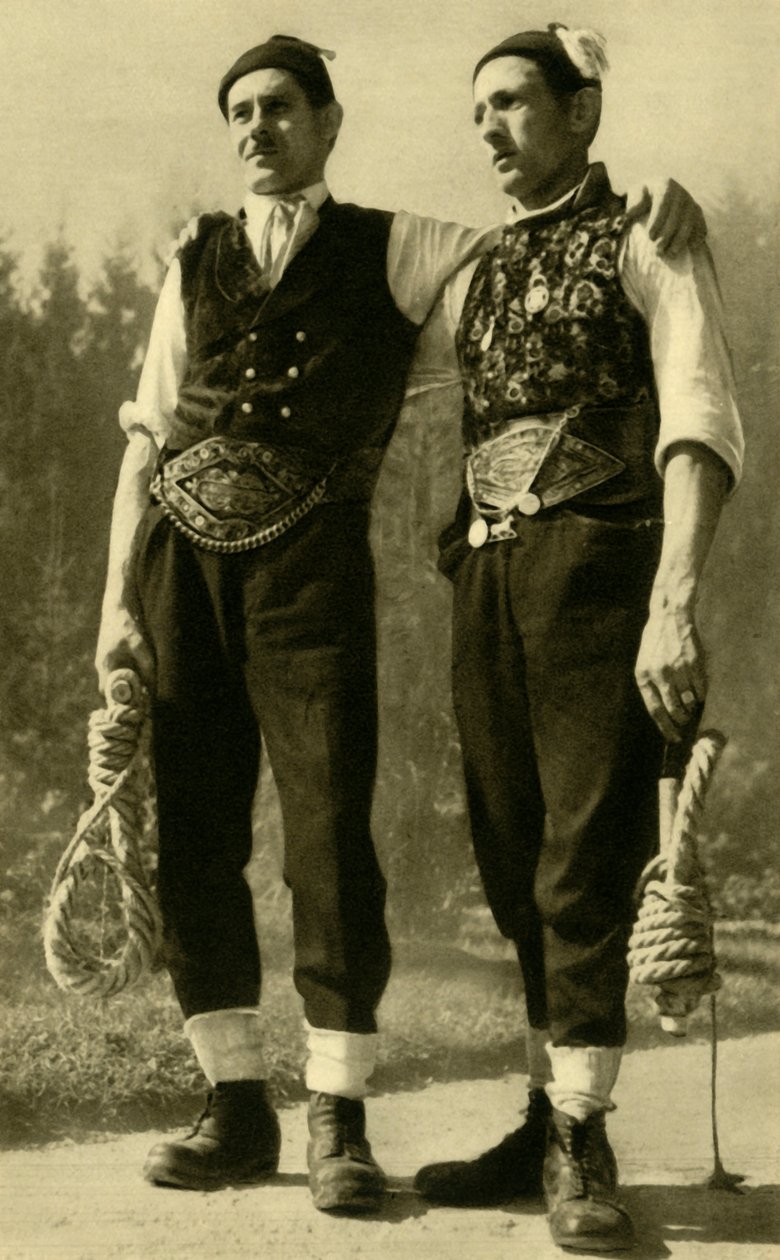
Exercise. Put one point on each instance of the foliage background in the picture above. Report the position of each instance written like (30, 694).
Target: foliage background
(97, 136)
(69, 355)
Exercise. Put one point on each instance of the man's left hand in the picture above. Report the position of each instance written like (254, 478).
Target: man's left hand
(675, 221)
(670, 670)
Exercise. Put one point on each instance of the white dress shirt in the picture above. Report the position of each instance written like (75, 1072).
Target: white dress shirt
(421, 256)
(679, 300)
(430, 266)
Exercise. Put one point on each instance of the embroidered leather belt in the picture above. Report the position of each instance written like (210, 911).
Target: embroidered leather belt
(538, 462)
(228, 496)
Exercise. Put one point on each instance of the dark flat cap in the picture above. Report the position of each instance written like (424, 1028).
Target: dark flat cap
(284, 52)
(571, 60)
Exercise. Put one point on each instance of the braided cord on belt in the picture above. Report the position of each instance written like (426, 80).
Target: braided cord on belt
(110, 837)
(256, 539)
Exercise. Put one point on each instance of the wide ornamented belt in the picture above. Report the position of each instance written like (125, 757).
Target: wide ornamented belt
(538, 462)
(226, 495)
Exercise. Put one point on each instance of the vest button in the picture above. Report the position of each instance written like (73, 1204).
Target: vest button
(253, 336)
(285, 413)
(300, 335)
(250, 374)
(246, 408)
(529, 504)
(293, 372)
(478, 533)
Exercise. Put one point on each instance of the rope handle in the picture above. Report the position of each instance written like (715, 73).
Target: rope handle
(672, 942)
(109, 836)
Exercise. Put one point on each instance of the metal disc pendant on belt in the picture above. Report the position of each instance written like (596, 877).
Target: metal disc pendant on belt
(478, 533)
(529, 504)
(537, 298)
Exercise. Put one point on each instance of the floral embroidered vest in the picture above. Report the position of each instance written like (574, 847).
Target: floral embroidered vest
(547, 327)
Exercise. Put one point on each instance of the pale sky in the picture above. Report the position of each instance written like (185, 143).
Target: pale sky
(109, 123)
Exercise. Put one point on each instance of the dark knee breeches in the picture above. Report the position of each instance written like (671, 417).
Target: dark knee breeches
(275, 645)
(561, 759)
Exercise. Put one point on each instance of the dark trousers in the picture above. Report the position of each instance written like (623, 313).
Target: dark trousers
(275, 644)
(561, 759)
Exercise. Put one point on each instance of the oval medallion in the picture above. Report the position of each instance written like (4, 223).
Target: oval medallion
(478, 533)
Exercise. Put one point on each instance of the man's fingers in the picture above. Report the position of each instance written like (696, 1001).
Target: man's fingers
(638, 203)
(664, 215)
(658, 712)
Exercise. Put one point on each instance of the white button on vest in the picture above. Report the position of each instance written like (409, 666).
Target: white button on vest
(246, 408)
(478, 533)
(300, 335)
(253, 336)
(250, 374)
(293, 372)
(529, 504)
(285, 413)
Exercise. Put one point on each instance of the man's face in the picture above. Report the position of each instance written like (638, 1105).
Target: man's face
(281, 141)
(527, 130)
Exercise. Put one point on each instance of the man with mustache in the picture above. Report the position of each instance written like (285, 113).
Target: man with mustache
(244, 596)
(601, 436)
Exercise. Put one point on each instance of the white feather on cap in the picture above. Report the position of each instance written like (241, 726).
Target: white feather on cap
(585, 48)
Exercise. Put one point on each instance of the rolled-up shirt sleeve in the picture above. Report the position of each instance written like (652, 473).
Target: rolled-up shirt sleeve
(680, 302)
(163, 368)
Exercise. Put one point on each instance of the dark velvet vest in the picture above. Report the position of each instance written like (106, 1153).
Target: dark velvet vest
(546, 327)
(318, 364)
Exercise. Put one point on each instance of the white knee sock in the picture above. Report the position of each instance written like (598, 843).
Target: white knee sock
(228, 1044)
(536, 1051)
(583, 1078)
(339, 1062)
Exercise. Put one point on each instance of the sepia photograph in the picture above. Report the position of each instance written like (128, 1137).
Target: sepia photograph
(389, 630)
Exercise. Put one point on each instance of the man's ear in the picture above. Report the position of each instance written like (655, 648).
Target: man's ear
(332, 115)
(585, 113)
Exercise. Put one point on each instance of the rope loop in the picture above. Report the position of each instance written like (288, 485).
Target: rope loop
(114, 839)
(672, 942)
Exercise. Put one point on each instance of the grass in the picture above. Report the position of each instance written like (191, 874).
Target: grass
(71, 1066)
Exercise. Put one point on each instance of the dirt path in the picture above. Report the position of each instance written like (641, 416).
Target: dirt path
(89, 1202)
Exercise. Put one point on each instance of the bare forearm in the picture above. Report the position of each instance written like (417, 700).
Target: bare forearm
(130, 503)
(121, 642)
(695, 486)
(671, 667)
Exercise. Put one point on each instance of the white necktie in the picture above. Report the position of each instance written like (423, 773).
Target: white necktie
(287, 227)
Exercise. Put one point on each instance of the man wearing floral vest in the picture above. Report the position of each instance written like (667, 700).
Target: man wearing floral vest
(601, 438)
(240, 586)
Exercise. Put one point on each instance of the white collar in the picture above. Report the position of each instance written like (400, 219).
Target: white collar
(518, 213)
(258, 206)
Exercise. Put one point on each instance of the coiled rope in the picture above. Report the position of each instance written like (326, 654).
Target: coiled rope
(114, 837)
(672, 942)
(672, 945)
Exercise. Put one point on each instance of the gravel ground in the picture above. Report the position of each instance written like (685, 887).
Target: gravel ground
(89, 1202)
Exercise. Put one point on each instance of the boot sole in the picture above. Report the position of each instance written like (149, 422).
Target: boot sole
(356, 1205)
(593, 1246)
(182, 1181)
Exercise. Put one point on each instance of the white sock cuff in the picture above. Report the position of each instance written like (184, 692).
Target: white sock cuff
(583, 1078)
(228, 1044)
(339, 1062)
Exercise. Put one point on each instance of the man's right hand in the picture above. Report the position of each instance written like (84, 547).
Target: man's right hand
(121, 645)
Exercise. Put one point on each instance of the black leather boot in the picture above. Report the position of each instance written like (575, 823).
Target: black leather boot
(343, 1174)
(507, 1171)
(236, 1139)
(580, 1186)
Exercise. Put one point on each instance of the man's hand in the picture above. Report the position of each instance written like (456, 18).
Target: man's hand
(121, 645)
(188, 233)
(675, 220)
(670, 670)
